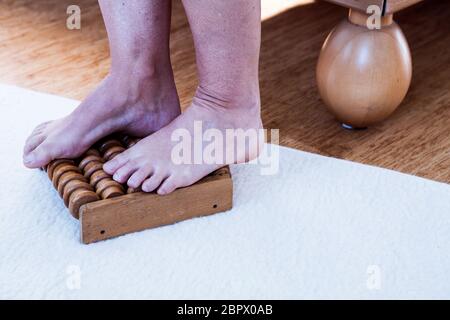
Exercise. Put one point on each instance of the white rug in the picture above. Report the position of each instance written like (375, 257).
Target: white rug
(321, 228)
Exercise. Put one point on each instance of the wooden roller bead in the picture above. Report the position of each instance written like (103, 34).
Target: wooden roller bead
(61, 169)
(97, 176)
(73, 185)
(133, 190)
(92, 152)
(66, 177)
(112, 156)
(104, 146)
(89, 159)
(132, 142)
(125, 140)
(80, 197)
(105, 184)
(52, 165)
(129, 141)
(91, 167)
(112, 152)
(111, 192)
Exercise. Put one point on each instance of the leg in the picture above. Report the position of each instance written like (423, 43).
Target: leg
(363, 75)
(138, 96)
(227, 40)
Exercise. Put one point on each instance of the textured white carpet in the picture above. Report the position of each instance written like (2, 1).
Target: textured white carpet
(321, 228)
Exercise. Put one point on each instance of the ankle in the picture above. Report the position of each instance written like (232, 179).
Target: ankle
(141, 70)
(141, 82)
(234, 98)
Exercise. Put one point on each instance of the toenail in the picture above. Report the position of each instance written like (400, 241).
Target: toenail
(109, 164)
(29, 158)
(116, 176)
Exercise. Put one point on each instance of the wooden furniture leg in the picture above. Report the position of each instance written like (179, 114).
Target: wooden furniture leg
(363, 75)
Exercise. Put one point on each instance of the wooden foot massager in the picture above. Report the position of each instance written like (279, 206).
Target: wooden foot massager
(106, 208)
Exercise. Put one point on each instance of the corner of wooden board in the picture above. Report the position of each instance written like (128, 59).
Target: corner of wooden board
(110, 218)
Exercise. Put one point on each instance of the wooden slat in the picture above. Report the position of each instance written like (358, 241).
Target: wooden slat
(390, 6)
(360, 5)
(139, 211)
(397, 5)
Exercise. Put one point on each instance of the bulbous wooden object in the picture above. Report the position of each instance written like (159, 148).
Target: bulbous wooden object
(363, 75)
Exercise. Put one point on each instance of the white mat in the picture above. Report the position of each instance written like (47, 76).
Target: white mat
(321, 228)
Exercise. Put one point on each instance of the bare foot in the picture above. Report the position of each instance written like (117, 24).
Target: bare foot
(150, 162)
(133, 103)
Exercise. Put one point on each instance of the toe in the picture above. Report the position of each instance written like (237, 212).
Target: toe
(124, 172)
(138, 177)
(113, 165)
(32, 143)
(40, 156)
(168, 186)
(152, 183)
(40, 128)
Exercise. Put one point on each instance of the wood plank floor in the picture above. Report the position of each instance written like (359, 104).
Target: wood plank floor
(38, 52)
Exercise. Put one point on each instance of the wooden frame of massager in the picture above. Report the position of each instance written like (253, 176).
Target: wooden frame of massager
(107, 209)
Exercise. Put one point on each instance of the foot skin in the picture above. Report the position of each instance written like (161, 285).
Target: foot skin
(137, 105)
(149, 164)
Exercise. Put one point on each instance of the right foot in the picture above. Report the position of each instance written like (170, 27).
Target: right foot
(133, 104)
(150, 163)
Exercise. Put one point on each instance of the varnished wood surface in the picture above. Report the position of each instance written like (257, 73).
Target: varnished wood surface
(38, 52)
(390, 6)
(362, 94)
(105, 211)
(105, 219)
(397, 5)
(358, 4)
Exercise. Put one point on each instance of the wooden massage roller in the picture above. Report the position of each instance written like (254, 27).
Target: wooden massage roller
(108, 209)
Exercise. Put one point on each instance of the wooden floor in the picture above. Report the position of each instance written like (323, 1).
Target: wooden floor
(38, 52)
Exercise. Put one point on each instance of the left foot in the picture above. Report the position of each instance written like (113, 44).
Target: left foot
(149, 163)
(136, 105)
